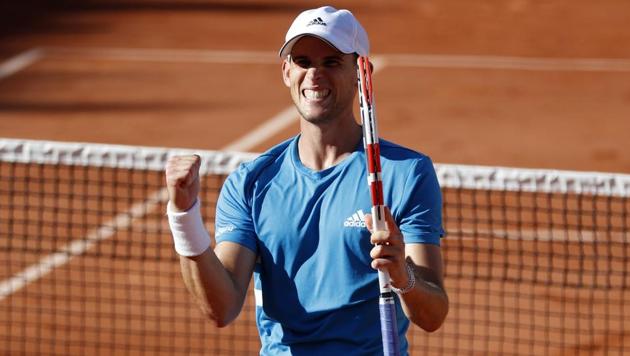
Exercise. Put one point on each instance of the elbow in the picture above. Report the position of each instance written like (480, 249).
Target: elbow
(431, 322)
(220, 323)
(431, 326)
(220, 320)
(221, 313)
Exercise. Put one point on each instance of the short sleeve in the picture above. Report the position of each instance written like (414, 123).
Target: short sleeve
(420, 209)
(233, 220)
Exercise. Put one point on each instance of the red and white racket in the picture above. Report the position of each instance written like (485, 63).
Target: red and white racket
(389, 330)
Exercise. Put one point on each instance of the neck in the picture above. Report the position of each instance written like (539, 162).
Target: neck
(322, 146)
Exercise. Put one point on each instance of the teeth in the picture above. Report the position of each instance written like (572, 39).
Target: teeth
(316, 94)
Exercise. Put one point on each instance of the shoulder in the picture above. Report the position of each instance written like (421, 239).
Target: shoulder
(400, 155)
(250, 171)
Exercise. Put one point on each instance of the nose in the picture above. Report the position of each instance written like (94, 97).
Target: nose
(314, 72)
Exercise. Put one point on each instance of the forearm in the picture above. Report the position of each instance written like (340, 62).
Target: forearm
(426, 305)
(212, 286)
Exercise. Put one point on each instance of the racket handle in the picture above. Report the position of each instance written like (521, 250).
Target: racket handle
(378, 218)
(387, 304)
(387, 307)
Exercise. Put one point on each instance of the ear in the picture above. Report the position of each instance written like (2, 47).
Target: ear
(285, 71)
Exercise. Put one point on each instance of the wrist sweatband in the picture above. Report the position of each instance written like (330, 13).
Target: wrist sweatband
(189, 233)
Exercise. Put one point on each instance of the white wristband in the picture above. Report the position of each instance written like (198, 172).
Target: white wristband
(189, 234)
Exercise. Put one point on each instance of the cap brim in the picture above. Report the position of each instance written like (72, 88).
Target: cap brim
(286, 48)
(288, 45)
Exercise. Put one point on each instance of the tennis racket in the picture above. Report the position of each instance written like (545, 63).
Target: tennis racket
(389, 330)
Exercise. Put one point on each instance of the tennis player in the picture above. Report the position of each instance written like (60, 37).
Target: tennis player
(295, 216)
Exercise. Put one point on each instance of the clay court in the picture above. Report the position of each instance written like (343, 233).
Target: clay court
(513, 83)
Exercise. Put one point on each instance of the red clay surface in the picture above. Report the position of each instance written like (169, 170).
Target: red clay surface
(558, 118)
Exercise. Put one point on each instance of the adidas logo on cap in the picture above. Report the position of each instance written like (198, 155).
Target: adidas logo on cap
(317, 21)
(356, 220)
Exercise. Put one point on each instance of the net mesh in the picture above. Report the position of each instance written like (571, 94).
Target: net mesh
(536, 261)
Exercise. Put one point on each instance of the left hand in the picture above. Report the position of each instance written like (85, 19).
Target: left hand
(388, 252)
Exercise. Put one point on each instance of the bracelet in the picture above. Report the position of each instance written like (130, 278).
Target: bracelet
(189, 234)
(410, 284)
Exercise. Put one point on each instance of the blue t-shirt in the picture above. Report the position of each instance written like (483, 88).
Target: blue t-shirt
(316, 293)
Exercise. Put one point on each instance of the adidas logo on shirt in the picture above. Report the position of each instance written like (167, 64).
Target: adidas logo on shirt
(356, 220)
(223, 229)
(317, 21)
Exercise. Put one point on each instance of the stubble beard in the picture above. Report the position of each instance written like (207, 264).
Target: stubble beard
(316, 120)
(328, 116)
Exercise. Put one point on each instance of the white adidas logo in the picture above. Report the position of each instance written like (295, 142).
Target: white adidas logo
(356, 220)
(223, 229)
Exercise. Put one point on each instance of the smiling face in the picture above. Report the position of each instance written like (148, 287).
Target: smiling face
(322, 80)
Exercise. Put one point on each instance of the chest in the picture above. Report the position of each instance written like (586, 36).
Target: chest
(298, 219)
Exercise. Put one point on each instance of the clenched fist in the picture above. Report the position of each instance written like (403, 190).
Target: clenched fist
(182, 181)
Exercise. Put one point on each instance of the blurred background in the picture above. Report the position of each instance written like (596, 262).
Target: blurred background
(545, 84)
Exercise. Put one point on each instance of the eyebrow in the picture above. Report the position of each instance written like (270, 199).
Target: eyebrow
(340, 56)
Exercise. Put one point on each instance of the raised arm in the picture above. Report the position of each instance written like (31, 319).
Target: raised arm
(217, 278)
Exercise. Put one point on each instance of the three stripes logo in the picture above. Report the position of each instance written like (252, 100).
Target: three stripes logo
(317, 21)
(356, 220)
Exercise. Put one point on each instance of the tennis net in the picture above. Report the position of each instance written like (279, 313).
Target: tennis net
(536, 261)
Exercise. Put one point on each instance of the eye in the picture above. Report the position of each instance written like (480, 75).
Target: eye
(302, 62)
(334, 62)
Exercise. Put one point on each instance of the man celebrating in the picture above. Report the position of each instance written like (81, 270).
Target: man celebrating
(294, 217)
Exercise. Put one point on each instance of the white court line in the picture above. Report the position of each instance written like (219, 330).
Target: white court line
(265, 131)
(78, 247)
(510, 63)
(167, 55)
(123, 220)
(393, 60)
(19, 62)
(540, 235)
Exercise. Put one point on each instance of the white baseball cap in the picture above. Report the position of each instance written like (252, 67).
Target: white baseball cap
(337, 27)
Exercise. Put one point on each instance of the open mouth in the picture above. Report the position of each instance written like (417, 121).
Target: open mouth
(315, 94)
